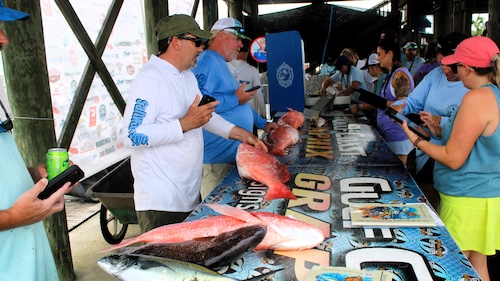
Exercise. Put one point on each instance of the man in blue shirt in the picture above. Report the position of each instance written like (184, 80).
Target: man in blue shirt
(215, 79)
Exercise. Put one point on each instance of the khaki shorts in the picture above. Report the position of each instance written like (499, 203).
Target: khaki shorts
(152, 219)
(212, 175)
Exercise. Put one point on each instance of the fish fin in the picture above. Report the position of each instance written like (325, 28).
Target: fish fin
(124, 243)
(232, 212)
(279, 190)
(264, 275)
(203, 239)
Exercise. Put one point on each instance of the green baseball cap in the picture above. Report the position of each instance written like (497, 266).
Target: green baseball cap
(178, 25)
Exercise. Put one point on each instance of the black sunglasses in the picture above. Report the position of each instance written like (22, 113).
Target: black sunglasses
(454, 68)
(197, 41)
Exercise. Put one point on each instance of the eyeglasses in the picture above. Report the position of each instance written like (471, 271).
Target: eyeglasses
(197, 41)
(454, 68)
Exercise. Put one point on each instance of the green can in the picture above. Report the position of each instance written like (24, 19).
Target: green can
(57, 161)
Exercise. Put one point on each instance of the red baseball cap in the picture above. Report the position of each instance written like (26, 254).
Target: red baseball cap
(476, 51)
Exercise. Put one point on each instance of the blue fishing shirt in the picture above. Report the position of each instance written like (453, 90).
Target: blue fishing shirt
(215, 79)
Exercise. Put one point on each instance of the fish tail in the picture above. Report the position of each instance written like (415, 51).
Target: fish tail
(279, 190)
(232, 212)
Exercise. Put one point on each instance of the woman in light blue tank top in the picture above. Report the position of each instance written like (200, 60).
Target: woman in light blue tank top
(467, 169)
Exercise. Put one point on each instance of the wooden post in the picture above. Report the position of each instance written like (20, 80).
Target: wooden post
(210, 13)
(29, 96)
(494, 21)
(154, 10)
(235, 9)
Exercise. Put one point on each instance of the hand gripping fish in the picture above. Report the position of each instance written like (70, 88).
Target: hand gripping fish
(133, 268)
(283, 233)
(214, 251)
(258, 165)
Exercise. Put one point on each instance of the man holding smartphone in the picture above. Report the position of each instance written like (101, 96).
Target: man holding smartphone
(215, 79)
(163, 121)
(25, 252)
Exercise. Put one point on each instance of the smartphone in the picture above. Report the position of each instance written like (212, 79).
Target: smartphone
(206, 99)
(72, 174)
(253, 88)
(421, 132)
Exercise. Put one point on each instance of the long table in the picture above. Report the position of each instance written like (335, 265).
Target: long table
(344, 162)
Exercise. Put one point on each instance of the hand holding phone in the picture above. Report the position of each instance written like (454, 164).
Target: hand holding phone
(73, 174)
(206, 99)
(392, 113)
(253, 88)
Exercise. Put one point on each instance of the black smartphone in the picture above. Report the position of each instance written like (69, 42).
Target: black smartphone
(206, 99)
(421, 132)
(253, 88)
(72, 174)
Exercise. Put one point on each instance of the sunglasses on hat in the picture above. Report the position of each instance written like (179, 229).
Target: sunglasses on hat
(237, 28)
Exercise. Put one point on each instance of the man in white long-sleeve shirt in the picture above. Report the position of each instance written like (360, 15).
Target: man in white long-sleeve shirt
(164, 126)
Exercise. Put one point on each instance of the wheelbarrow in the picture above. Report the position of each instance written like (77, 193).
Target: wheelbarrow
(116, 192)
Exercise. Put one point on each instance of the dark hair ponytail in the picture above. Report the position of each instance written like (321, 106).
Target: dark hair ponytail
(391, 46)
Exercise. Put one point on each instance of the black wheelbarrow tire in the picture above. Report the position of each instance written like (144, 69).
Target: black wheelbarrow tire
(118, 231)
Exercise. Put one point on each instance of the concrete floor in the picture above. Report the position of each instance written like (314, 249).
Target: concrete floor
(86, 240)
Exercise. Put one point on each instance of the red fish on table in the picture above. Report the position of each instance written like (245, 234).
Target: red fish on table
(213, 251)
(283, 233)
(293, 118)
(261, 166)
(281, 138)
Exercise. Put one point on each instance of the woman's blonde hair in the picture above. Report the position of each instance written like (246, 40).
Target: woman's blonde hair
(494, 75)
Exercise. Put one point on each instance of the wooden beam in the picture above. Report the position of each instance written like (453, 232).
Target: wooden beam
(27, 81)
(154, 10)
(210, 13)
(82, 90)
(494, 21)
(87, 45)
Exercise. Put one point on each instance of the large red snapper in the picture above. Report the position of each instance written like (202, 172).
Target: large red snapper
(293, 118)
(281, 138)
(283, 233)
(258, 165)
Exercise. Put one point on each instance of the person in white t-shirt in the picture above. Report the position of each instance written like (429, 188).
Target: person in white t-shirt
(244, 72)
(163, 121)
